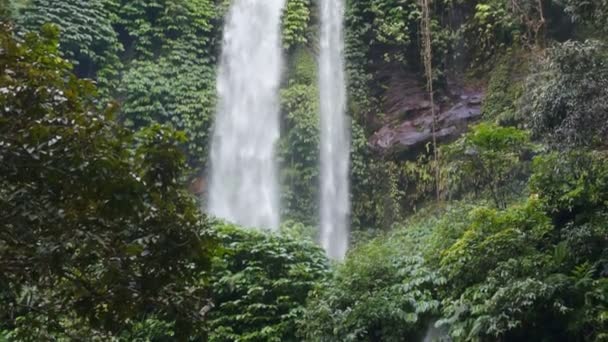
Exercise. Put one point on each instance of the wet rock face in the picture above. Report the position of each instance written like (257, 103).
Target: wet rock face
(414, 131)
(198, 186)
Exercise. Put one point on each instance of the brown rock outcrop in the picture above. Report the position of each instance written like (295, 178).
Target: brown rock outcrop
(409, 122)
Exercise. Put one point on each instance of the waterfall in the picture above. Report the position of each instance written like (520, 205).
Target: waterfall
(243, 175)
(435, 334)
(335, 137)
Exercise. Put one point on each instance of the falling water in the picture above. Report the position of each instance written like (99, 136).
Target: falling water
(335, 138)
(435, 334)
(244, 185)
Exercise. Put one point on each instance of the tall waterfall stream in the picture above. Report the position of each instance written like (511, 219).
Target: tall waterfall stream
(244, 185)
(335, 138)
(243, 176)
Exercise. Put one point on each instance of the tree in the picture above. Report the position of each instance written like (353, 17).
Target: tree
(489, 157)
(530, 14)
(97, 231)
(566, 102)
(572, 184)
(588, 13)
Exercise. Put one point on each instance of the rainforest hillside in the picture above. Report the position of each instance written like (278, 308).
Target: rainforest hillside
(478, 176)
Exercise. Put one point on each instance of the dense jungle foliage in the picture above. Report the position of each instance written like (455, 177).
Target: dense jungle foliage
(499, 233)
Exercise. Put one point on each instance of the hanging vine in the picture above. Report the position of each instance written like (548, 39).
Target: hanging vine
(427, 56)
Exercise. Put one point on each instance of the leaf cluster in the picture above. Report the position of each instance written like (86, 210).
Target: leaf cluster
(566, 100)
(260, 284)
(97, 230)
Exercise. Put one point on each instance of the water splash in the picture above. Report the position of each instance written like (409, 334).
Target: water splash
(436, 334)
(335, 137)
(243, 176)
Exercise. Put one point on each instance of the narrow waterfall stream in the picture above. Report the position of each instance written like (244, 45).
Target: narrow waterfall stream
(335, 137)
(243, 176)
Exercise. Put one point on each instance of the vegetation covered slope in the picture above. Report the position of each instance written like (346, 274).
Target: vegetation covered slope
(502, 237)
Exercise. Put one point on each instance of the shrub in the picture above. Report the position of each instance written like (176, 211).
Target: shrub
(383, 292)
(488, 158)
(567, 101)
(260, 284)
(571, 183)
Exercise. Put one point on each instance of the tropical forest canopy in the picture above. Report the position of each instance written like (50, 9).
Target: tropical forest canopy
(478, 214)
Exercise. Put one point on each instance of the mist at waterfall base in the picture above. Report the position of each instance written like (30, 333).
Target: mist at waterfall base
(435, 334)
(243, 174)
(244, 183)
(335, 138)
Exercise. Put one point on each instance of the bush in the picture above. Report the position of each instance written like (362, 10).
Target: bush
(260, 284)
(589, 13)
(157, 57)
(489, 158)
(383, 292)
(507, 280)
(571, 183)
(567, 101)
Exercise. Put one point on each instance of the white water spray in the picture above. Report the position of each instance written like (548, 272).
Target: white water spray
(335, 137)
(243, 177)
(434, 334)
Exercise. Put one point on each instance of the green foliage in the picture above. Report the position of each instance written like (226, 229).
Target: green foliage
(5, 13)
(567, 100)
(590, 13)
(486, 273)
(96, 227)
(155, 56)
(376, 192)
(299, 145)
(260, 284)
(150, 329)
(496, 26)
(489, 157)
(381, 293)
(298, 230)
(386, 33)
(395, 23)
(99, 242)
(11, 8)
(87, 36)
(170, 77)
(360, 102)
(443, 225)
(303, 68)
(571, 182)
(175, 89)
(496, 246)
(296, 22)
(509, 280)
(495, 235)
(505, 90)
(490, 30)
(157, 27)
